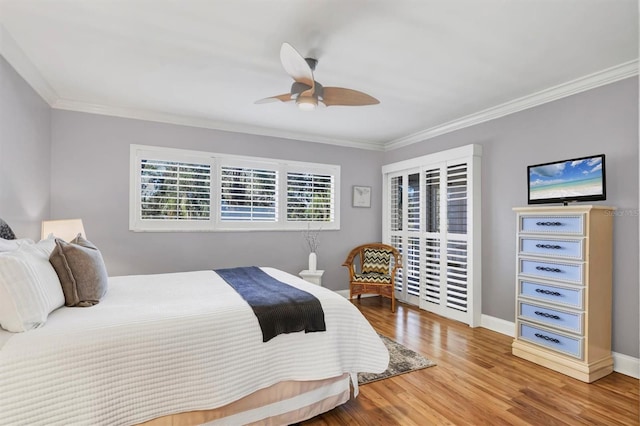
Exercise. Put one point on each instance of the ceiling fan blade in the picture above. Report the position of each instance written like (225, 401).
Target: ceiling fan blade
(348, 97)
(286, 97)
(295, 65)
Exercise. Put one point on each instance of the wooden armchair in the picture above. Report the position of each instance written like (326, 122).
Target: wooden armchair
(372, 269)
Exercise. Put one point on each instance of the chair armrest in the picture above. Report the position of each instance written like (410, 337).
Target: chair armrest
(352, 254)
(397, 263)
(349, 263)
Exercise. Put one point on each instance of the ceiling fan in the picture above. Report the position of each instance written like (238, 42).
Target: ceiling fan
(308, 93)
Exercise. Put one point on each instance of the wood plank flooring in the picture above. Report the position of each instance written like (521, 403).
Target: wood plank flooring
(476, 382)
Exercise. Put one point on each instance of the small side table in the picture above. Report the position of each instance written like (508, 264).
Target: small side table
(314, 277)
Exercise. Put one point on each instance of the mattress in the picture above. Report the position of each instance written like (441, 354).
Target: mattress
(169, 343)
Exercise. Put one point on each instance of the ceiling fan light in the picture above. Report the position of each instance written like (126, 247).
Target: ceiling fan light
(306, 103)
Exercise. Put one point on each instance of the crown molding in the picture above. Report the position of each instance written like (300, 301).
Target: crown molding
(160, 117)
(591, 81)
(24, 67)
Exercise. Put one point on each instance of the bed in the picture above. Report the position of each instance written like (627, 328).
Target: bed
(182, 348)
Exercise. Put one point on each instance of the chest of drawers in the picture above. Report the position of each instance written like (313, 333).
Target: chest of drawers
(563, 289)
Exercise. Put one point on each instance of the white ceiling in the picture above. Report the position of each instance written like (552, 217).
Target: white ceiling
(434, 65)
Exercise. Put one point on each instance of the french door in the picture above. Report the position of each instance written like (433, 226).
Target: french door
(430, 211)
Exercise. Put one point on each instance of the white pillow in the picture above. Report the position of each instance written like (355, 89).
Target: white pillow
(10, 245)
(29, 287)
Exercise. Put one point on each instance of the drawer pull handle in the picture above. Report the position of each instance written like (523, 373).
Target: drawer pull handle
(550, 339)
(547, 315)
(548, 246)
(549, 292)
(549, 223)
(548, 269)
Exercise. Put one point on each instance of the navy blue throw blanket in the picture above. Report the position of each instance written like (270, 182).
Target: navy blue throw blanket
(279, 307)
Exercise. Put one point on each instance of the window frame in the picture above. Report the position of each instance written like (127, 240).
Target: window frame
(216, 161)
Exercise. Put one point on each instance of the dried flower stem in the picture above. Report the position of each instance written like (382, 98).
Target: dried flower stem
(312, 239)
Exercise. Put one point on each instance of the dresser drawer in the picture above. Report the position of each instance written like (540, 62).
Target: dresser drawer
(572, 297)
(567, 345)
(570, 272)
(561, 224)
(569, 321)
(572, 249)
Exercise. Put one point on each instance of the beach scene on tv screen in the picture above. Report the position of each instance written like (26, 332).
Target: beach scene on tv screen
(566, 179)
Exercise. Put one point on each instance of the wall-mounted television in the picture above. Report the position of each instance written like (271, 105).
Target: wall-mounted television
(576, 179)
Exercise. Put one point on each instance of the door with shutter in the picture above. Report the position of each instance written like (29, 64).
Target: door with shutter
(431, 265)
(405, 232)
(445, 241)
(428, 216)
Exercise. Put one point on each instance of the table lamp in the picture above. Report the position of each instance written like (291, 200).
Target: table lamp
(66, 229)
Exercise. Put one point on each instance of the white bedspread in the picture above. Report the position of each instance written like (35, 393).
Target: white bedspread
(162, 344)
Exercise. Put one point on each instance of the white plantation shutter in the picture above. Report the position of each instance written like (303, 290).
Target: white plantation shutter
(310, 197)
(397, 229)
(432, 200)
(412, 266)
(396, 241)
(457, 198)
(248, 194)
(395, 224)
(170, 190)
(431, 270)
(412, 261)
(180, 190)
(175, 191)
(457, 280)
(396, 204)
(432, 265)
(436, 226)
(413, 202)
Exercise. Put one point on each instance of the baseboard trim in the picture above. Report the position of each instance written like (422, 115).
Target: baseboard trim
(627, 365)
(498, 325)
(343, 293)
(623, 364)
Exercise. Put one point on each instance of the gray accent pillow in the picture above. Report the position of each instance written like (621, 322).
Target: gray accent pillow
(81, 270)
(5, 231)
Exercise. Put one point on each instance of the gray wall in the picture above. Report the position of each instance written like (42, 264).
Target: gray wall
(603, 120)
(25, 154)
(90, 179)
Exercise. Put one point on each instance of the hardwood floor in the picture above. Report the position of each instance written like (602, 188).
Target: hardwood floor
(476, 382)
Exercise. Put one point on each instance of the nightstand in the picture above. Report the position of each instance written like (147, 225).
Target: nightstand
(314, 277)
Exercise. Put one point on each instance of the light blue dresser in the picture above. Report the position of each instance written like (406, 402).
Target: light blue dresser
(563, 289)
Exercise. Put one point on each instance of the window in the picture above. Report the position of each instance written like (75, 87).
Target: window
(248, 194)
(310, 197)
(175, 191)
(179, 190)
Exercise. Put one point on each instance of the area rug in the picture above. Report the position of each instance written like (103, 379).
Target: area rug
(401, 360)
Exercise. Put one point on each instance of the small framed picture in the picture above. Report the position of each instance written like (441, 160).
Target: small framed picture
(361, 196)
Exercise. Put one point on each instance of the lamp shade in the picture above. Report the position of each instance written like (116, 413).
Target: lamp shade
(66, 229)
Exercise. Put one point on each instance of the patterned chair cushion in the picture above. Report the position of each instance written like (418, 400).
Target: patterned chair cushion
(373, 278)
(5, 231)
(376, 261)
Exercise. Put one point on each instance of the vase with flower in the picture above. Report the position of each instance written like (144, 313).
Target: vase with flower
(312, 239)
